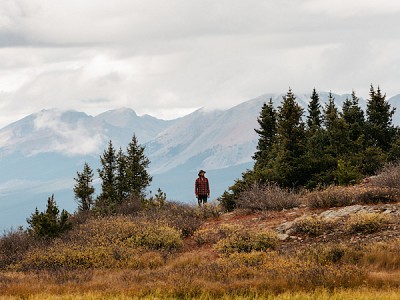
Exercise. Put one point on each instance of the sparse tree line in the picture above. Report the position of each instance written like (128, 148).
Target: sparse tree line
(124, 179)
(327, 146)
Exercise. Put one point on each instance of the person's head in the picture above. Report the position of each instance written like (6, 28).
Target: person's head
(201, 173)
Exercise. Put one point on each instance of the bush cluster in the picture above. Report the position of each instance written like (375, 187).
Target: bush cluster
(267, 197)
(312, 225)
(367, 222)
(106, 243)
(246, 241)
(337, 196)
(389, 176)
(183, 217)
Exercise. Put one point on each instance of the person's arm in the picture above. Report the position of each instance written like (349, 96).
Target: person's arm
(196, 188)
(208, 189)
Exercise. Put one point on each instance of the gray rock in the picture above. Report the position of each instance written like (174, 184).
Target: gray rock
(342, 212)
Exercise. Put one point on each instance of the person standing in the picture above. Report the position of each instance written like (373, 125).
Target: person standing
(202, 188)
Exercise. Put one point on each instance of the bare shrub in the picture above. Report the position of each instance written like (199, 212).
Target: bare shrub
(333, 196)
(14, 245)
(389, 176)
(181, 216)
(267, 197)
(338, 196)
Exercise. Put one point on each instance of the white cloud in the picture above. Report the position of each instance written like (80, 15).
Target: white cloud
(72, 139)
(166, 57)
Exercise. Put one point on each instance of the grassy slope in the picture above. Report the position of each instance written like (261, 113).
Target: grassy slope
(333, 262)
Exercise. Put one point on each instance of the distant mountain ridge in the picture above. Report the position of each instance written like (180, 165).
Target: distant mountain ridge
(42, 152)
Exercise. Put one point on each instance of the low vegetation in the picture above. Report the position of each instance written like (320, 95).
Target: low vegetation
(278, 244)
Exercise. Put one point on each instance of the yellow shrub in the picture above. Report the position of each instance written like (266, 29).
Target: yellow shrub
(367, 222)
(156, 236)
(247, 241)
(312, 225)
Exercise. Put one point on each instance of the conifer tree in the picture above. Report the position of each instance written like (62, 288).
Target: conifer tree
(314, 121)
(288, 166)
(379, 119)
(108, 198)
(137, 177)
(121, 177)
(84, 189)
(335, 129)
(266, 132)
(353, 115)
(50, 223)
(317, 162)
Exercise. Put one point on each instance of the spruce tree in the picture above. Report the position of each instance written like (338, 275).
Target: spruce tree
(137, 177)
(121, 176)
(287, 168)
(379, 120)
(335, 129)
(266, 132)
(108, 198)
(84, 189)
(50, 223)
(314, 120)
(354, 117)
(316, 161)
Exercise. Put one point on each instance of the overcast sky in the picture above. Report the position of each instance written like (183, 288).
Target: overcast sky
(169, 57)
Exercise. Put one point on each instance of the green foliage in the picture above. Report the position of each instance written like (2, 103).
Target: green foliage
(379, 120)
(137, 177)
(267, 132)
(336, 147)
(107, 200)
(124, 178)
(158, 200)
(84, 189)
(51, 223)
(314, 120)
(346, 174)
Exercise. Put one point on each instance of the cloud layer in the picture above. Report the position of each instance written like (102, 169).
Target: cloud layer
(167, 58)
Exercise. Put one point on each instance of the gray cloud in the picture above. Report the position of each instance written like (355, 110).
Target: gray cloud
(168, 58)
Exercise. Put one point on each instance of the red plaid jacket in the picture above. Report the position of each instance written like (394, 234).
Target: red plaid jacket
(201, 187)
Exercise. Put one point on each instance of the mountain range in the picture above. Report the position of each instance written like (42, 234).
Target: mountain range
(41, 153)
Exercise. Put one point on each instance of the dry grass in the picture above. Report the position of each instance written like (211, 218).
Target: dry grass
(389, 177)
(313, 225)
(367, 222)
(173, 256)
(338, 196)
(267, 197)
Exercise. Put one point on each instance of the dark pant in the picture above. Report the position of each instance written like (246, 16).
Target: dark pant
(202, 199)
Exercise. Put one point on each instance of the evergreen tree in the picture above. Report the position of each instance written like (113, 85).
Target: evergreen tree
(108, 198)
(266, 132)
(137, 177)
(51, 223)
(379, 118)
(317, 162)
(314, 120)
(287, 168)
(84, 189)
(335, 130)
(353, 115)
(121, 176)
